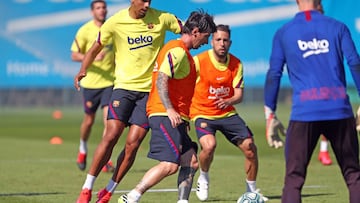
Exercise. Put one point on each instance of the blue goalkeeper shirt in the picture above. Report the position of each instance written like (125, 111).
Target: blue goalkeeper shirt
(313, 47)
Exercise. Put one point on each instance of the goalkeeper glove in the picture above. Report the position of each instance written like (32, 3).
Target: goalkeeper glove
(273, 128)
(357, 116)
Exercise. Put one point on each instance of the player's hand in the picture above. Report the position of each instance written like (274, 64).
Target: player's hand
(274, 127)
(175, 117)
(357, 116)
(77, 79)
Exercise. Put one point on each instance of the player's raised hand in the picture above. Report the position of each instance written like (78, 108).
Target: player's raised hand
(274, 127)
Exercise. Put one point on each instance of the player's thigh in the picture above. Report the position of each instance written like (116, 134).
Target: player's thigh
(136, 135)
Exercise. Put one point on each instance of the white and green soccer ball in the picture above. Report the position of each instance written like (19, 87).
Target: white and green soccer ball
(250, 197)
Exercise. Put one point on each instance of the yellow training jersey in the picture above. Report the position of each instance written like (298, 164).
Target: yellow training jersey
(215, 80)
(100, 74)
(137, 44)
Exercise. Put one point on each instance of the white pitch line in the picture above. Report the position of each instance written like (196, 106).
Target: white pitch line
(151, 190)
(194, 190)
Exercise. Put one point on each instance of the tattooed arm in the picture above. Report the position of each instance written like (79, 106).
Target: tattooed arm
(163, 91)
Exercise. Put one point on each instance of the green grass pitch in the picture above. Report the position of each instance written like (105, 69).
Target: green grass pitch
(34, 171)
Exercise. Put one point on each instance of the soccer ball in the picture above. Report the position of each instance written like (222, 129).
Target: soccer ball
(250, 197)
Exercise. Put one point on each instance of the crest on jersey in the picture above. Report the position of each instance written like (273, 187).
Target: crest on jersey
(150, 25)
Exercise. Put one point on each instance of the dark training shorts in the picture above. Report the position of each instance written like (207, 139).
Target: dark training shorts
(168, 143)
(129, 107)
(233, 127)
(93, 98)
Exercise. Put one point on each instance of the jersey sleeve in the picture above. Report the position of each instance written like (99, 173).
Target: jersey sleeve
(173, 23)
(106, 32)
(274, 73)
(79, 43)
(238, 81)
(351, 55)
(197, 67)
(174, 63)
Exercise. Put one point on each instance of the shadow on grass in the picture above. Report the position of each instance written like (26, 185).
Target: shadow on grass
(31, 194)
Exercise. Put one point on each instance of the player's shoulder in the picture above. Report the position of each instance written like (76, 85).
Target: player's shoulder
(160, 13)
(87, 26)
(119, 15)
(235, 58)
(204, 54)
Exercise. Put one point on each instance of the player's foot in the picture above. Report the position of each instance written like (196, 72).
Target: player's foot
(183, 201)
(109, 167)
(125, 199)
(324, 158)
(85, 196)
(202, 190)
(81, 161)
(265, 199)
(103, 196)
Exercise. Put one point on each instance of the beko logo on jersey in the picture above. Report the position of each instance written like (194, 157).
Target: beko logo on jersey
(313, 47)
(219, 92)
(140, 41)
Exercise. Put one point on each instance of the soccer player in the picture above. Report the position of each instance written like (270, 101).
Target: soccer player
(274, 127)
(313, 47)
(168, 110)
(98, 85)
(219, 87)
(138, 33)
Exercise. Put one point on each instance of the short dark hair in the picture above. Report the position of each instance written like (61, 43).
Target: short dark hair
(200, 19)
(93, 2)
(224, 28)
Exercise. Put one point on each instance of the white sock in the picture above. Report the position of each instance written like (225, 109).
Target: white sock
(89, 182)
(83, 147)
(323, 146)
(250, 185)
(111, 186)
(134, 195)
(204, 176)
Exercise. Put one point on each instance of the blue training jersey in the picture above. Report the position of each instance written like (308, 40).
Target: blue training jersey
(313, 47)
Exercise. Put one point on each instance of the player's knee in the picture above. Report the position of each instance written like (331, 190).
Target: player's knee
(208, 148)
(251, 151)
(172, 168)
